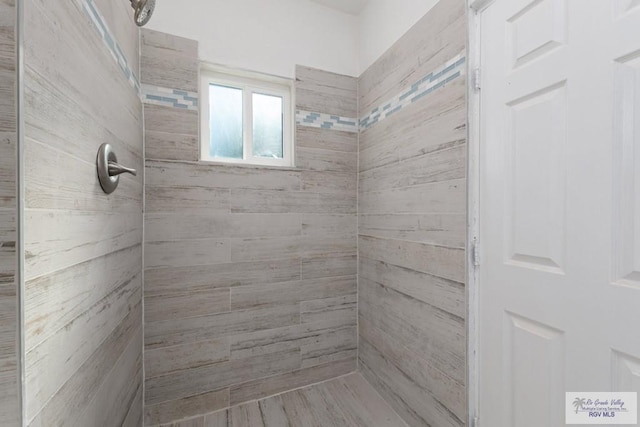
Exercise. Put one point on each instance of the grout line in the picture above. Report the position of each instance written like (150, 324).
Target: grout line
(358, 230)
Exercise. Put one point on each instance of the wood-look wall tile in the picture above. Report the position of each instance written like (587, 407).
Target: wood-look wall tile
(50, 367)
(184, 253)
(186, 200)
(7, 7)
(179, 45)
(329, 225)
(274, 224)
(100, 96)
(438, 197)
(429, 378)
(254, 201)
(171, 146)
(64, 400)
(440, 261)
(193, 329)
(416, 406)
(46, 168)
(326, 139)
(342, 307)
(122, 30)
(443, 165)
(166, 360)
(326, 160)
(312, 246)
(334, 346)
(244, 250)
(262, 387)
(204, 403)
(194, 381)
(433, 40)
(170, 226)
(436, 122)
(178, 305)
(72, 237)
(183, 174)
(329, 182)
(169, 61)
(113, 398)
(323, 92)
(436, 334)
(77, 288)
(264, 295)
(8, 189)
(329, 266)
(444, 294)
(158, 118)
(288, 338)
(438, 229)
(65, 123)
(7, 97)
(135, 416)
(167, 280)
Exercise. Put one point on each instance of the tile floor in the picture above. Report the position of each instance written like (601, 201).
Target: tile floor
(342, 402)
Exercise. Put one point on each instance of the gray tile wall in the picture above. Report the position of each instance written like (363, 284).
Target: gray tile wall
(9, 391)
(83, 248)
(250, 273)
(412, 205)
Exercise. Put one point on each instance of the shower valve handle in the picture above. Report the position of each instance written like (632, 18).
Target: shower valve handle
(116, 169)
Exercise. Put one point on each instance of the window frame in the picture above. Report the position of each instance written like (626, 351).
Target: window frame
(249, 83)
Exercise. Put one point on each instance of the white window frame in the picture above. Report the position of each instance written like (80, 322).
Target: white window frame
(249, 83)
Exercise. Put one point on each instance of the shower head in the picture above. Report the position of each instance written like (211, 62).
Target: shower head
(143, 11)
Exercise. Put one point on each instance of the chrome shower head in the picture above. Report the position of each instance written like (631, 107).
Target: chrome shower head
(143, 11)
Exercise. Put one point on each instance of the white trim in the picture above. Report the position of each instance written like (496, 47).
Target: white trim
(473, 208)
(249, 83)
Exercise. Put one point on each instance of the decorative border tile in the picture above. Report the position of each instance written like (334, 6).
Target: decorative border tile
(326, 121)
(109, 40)
(169, 97)
(433, 81)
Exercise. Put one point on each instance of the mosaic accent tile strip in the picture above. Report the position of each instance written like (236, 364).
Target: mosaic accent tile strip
(169, 97)
(326, 121)
(433, 81)
(96, 17)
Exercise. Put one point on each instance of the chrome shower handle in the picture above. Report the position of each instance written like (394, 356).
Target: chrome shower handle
(116, 169)
(109, 169)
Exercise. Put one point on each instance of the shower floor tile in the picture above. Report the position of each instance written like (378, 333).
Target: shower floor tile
(342, 402)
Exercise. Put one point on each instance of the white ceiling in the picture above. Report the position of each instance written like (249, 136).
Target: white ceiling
(352, 7)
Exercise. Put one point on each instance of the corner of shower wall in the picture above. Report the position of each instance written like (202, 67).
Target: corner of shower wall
(250, 272)
(412, 220)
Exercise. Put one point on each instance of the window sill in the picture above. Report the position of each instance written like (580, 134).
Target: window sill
(213, 163)
(248, 165)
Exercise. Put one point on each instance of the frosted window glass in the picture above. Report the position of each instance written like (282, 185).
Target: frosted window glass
(225, 121)
(267, 126)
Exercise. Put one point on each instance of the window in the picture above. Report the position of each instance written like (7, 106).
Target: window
(245, 119)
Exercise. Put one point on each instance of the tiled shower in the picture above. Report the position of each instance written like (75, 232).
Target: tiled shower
(199, 287)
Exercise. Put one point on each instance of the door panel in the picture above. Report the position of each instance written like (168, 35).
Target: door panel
(559, 291)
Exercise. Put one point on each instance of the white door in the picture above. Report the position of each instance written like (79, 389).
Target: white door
(559, 291)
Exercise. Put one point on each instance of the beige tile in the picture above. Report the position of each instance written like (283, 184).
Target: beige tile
(166, 360)
(263, 387)
(323, 92)
(202, 379)
(191, 406)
